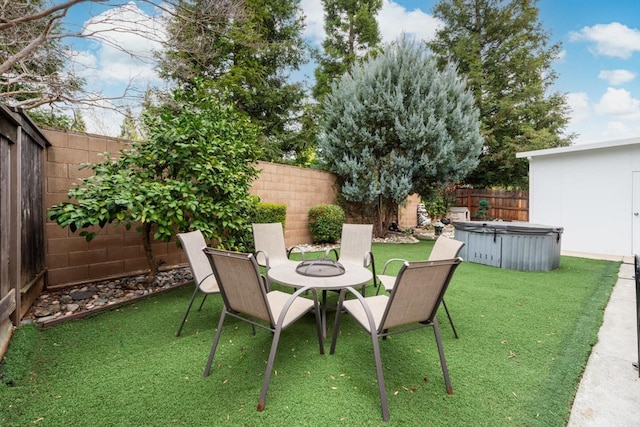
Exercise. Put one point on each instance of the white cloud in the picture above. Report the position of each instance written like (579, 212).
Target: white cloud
(618, 102)
(393, 20)
(116, 60)
(124, 40)
(617, 77)
(314, 20)
(618, 130)
(615, 116)
(615, 39)
(579, 105)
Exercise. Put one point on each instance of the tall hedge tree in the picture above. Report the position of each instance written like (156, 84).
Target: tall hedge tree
(194, 172)
(506, 56)
(248, 50)
(397, 125)
(351, 32)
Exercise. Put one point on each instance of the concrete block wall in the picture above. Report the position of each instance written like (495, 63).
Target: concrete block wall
(117, 252)
(408, 214)
(299, 189)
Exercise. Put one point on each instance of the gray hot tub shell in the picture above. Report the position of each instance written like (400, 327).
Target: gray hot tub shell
(510, 245)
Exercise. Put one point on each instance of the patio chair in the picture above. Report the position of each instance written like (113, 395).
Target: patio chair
(246, 299)
(444, 248)
(412, 304)
(268, 241)
(355, 247)
(193, 242)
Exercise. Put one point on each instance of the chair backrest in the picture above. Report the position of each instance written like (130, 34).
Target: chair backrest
(193, 243)
(445, 248)
(418, 291)
(355, 244)
(269, 239)
(240, 283)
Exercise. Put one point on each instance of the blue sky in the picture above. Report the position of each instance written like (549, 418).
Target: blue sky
(599, 69)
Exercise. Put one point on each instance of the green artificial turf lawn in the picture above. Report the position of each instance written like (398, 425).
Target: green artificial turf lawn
(524, 340)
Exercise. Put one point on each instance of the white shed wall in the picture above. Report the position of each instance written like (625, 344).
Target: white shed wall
(587, 192)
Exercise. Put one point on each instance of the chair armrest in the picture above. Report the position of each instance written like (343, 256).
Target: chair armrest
(265, 283)
(266, 258)
(392, 260)
(302, 252)
(327, 253)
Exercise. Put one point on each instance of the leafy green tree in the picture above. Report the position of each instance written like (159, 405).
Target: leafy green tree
(506, 56)
(351, 32)
(56, 118)
(397, 125)
(194, 172)
(128, 128)
(248, 52)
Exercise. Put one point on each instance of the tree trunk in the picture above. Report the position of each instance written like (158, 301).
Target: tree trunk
(380, 229)
(146, 243)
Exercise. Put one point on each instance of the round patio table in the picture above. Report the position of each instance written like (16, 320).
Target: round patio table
(354, 275)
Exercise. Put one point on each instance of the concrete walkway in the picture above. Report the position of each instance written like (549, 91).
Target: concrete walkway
(609, 392)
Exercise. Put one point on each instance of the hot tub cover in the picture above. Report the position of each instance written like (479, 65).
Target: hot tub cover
(506, 227)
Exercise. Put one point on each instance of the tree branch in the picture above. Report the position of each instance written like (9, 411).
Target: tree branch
(47, 12)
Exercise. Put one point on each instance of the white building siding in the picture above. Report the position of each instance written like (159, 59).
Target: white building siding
(587, 190)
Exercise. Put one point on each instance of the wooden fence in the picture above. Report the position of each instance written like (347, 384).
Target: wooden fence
(506, 205)
(22, 247)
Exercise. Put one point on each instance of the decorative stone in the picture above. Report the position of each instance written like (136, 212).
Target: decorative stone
(45, 319)
(80, 295)
(60, 303)
(54, 308)
(42, 312)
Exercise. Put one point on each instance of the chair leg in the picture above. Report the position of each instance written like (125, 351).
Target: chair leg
(323, 313)
(203, 300)
(443, 361)
(267, 375)
(184, 319)
(319, 327)
(380, 375)
(336, 326)
(455, 333)
(216, 339)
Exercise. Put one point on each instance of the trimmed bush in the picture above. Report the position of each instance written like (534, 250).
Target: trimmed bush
(271, 212)
(325, 223)
(265, 213)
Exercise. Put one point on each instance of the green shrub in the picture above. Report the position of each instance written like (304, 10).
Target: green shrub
(271, 212)
(325, 223)
(264, 213)
(483, 209)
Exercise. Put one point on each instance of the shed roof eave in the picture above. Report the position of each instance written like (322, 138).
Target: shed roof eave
(580, 147)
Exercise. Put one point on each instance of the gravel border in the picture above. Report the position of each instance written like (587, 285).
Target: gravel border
(55, 306)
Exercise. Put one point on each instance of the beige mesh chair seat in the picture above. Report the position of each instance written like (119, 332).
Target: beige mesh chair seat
(412, 304)
(270, 249)
(246, 298)
(193, 243)
(355, 247)
(444, 248)
(268, 241)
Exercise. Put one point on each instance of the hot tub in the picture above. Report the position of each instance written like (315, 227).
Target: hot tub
(511, 245)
